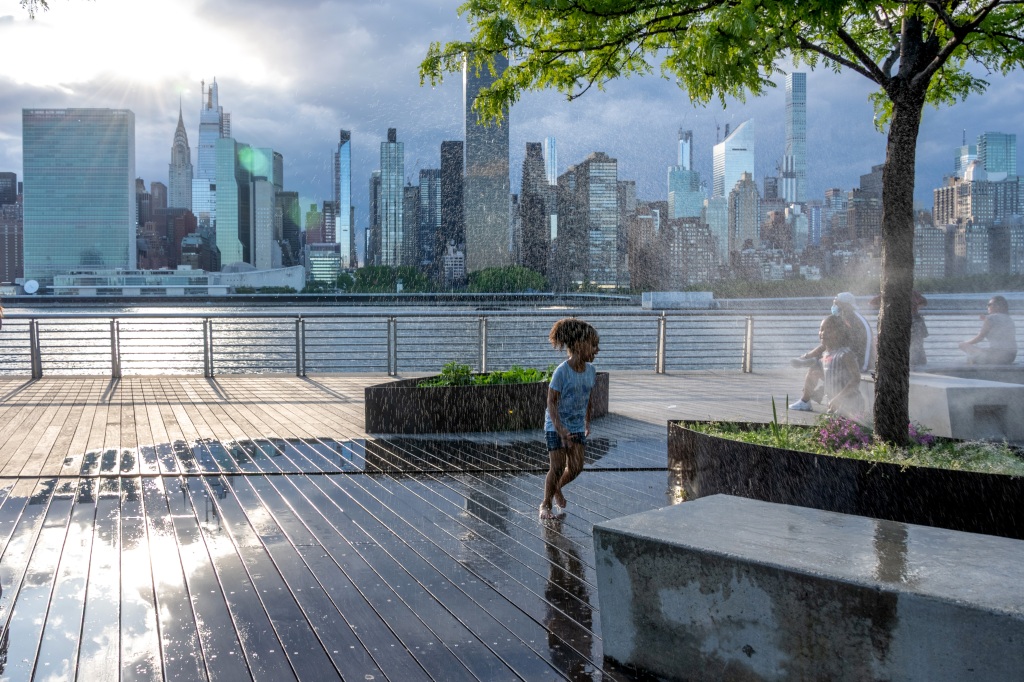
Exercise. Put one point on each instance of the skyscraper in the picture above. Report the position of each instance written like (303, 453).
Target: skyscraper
(685, 199)
(452, 226)
(429, 218)
(79, 190)
(8, 188)
(589, 225)
(372, 236)
(344, 232)
(248, 180)
(214, 124)
(794, 174)
(997, 153)
(179, 171)
(744, 215)
(487, 175)
(533, 211)
(392, 197)
(733, 157)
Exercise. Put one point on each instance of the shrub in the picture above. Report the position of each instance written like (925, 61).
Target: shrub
(455, 374)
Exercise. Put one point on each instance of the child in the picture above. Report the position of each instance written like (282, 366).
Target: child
(841, 369)
(567, 419)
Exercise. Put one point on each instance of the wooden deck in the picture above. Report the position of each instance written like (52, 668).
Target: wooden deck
(247, 528)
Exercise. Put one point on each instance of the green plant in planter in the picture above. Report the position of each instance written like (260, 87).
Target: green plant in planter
(456, 374)
(838, 436)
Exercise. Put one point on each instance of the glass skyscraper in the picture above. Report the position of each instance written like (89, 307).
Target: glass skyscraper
(794, 179)
(733, 157)
(998, 153)
(344, 233)
(392, 200)
(486, 188)
(180, 171)
(685, 198)
(214, 124)
(551, 160)
(79, 190)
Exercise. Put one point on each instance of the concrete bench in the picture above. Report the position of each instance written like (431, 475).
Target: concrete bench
(731, 588)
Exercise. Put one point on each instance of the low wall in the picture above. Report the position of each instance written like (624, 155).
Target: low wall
(403, 407)
(726, 588)
(959, 500)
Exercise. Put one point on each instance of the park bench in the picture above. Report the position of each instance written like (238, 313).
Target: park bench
(731, 588)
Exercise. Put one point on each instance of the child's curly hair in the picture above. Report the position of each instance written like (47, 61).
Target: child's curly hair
(569, 331)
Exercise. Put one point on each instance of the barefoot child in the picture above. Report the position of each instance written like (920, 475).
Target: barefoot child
(567, 420)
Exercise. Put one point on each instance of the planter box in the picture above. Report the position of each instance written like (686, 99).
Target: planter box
(958, 500)
(403, 407)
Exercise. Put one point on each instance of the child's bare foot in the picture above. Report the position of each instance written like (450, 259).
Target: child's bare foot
(545, 512)
(559, 499)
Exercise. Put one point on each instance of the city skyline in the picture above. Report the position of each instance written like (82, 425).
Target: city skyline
(277, 100)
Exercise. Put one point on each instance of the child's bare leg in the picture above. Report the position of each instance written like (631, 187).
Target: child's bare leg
(557, 466)
(573, 467)
(815, 375)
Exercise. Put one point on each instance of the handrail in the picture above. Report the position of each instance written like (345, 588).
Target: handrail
(203, 342)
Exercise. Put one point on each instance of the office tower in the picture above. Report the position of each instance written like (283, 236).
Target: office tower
(330, 224)
(795, 162)
(997, 153)
(587, 245)
(410, 224)
(8, 188)
(247, 181)
(716, 216)
(158, 192)
(487, 175)
(744, 215)
(452, 226)
(685, 199)
(314, 225)
(863, 215)
(533, 211)
(291, 227)
(976, 198)
(79, 190)
(373, 238)
(214, 124)
(391, 202)
(551, 160)
(12, 235)
(814, 213)
(963, 155)
(627, 203)
(429, 230)
(689, 253)
(179, 171)
(232, 180)
(833, 215)
(733, 157)
(344, 231)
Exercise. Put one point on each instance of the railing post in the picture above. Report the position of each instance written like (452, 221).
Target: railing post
(659, 363)
(207, 348)
(115, 348)
(483, 344)
(748, 346)
(35, 352)
(392, 346)
(300, 347)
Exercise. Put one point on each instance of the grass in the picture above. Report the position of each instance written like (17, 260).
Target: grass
(836, 436)
(455, 374)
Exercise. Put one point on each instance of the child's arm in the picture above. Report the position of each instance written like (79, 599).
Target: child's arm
(556, 421)
(590, 406)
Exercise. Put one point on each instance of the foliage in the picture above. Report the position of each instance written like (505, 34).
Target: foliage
(455, 374)
(985, 283)
(345, 282)
(383, 279)
(276, 290)
(837, 436)
(316, 287)
(511, 278)
(915, 51)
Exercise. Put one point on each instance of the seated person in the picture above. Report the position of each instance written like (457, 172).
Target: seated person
(998, 329)
(834, 380)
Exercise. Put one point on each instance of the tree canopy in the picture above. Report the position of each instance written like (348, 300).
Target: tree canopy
(916, 51)
(509, 279)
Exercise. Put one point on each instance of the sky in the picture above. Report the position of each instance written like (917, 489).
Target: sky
(291, 74)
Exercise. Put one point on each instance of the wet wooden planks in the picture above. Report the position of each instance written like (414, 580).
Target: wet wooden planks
(314, 576)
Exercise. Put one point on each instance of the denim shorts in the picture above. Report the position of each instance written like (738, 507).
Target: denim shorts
(555, 441)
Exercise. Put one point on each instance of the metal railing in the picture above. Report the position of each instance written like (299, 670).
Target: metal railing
(409, 341)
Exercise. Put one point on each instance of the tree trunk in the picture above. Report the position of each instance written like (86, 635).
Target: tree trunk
(892, 387)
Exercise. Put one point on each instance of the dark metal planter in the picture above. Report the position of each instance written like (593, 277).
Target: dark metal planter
(403, 407)
(958, 500)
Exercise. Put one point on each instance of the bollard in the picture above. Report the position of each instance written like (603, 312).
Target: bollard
(748, 346)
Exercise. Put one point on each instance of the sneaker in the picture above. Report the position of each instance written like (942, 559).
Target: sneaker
(803, 362)
(801, 406)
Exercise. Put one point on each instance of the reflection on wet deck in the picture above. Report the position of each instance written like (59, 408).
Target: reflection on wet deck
(248, 528)
(427, 575)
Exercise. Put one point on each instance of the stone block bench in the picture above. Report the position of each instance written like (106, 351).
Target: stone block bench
(729, 588)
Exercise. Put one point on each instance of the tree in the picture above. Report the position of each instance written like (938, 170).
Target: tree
(383, 279)
(916, 51)
(511, 278)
